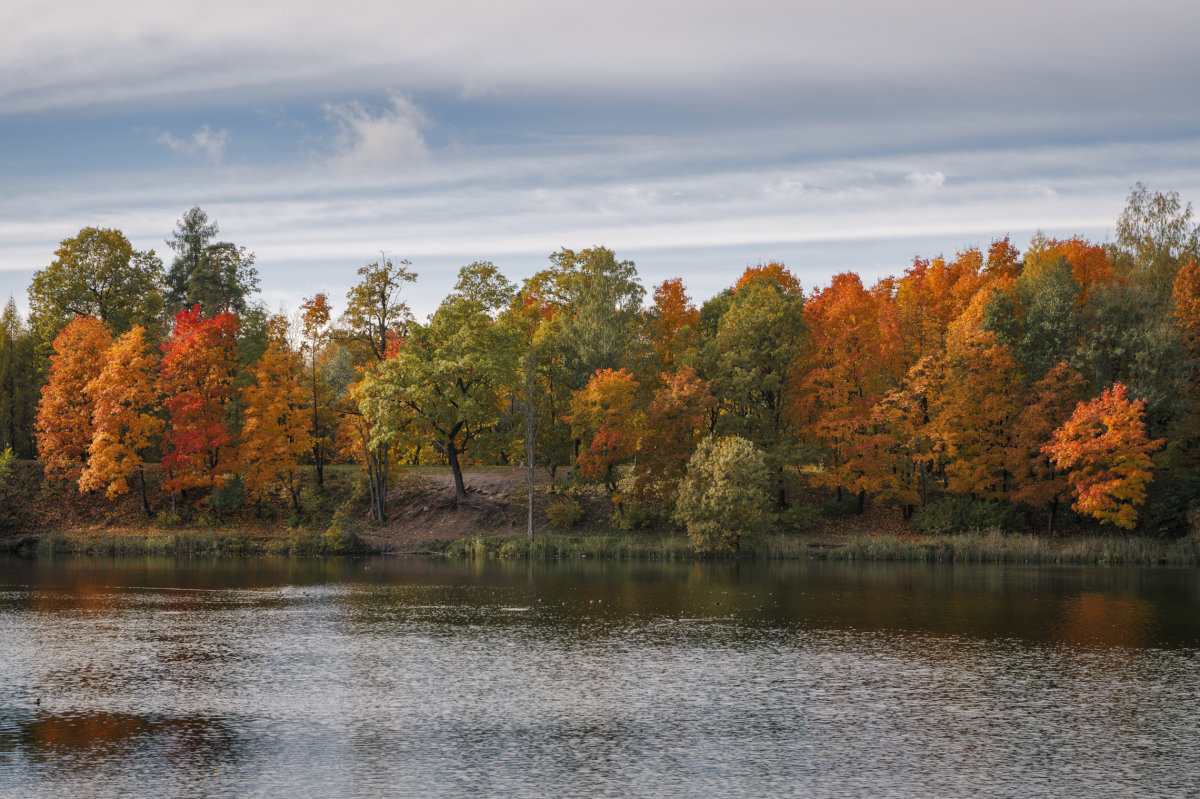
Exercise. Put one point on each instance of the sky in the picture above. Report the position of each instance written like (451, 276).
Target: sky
(693, 137)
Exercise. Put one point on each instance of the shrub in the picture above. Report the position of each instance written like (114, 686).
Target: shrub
(961, 514)
(564, 514)
(724, 495)
(798, 518)
(227, 496)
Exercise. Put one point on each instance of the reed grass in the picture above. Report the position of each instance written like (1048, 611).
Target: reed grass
(990, 546)
(193, 544)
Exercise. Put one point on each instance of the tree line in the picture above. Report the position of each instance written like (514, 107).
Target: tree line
(990, 388)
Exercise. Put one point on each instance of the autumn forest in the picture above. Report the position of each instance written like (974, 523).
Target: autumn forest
(991, 389)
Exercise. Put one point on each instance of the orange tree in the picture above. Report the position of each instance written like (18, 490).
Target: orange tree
(673, 423)
(849, 364)
(1034, 478)
(604, 418)
(64, 418)
(1107, 454)
(125, 417)
(675, 322)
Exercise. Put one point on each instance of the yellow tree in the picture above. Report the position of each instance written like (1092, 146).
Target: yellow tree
(315, 316)
(1107, 454)
(276, 429)
(64, 419)
(902, 445)
(125, 417)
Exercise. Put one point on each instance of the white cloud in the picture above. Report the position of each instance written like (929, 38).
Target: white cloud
(58, 54)
(211, 143)
(371, 140)
(926, 181)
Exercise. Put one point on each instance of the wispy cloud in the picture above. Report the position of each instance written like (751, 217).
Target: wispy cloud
(372, 139)
(926, 181)
(206, 141)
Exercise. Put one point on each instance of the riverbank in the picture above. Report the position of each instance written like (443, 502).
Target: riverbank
(978, 547)
(47, 520)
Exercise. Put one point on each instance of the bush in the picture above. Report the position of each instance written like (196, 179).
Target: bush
(564, 514)
(227, 496)
(798, 518)
(962, 514)
(725, 494)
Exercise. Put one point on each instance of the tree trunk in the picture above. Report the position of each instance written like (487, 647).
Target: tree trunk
(862, 502)
(377, 465)
(530, 434)
(460, 491)
(294, 490)
(142, 492)
(318, 454)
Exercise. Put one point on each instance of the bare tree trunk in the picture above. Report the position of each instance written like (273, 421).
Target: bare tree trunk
(377, 471)
(530, 433)
(317, 449)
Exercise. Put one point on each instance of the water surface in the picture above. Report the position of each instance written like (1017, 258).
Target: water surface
(403, 677)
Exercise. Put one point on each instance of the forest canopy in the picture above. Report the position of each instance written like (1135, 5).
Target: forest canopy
(987, 388)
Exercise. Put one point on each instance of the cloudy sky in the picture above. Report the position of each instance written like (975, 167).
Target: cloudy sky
(695, 137)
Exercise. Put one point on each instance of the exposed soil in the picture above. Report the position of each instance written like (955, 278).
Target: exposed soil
(423, 507)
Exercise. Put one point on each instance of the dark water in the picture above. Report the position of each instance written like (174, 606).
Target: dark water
(275, 678)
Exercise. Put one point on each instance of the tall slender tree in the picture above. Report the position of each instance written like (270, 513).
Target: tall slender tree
(64, 421)
(197, 373)
(125, 416)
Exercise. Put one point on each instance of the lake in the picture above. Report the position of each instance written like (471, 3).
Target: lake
(408, 677)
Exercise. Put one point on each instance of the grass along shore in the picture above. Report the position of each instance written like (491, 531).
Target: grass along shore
(976, 547)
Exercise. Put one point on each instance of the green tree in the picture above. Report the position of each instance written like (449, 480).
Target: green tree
(21, 375)
(216, 275)
(1053, 323)
(1155, 235)
(97, 273)
(749, 363)
(600, 302)
(451, 377)
(375, 313)
(725, 495)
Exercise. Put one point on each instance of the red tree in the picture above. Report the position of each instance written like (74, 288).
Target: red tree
(197, 380)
